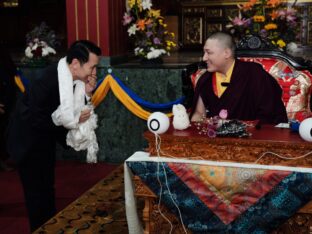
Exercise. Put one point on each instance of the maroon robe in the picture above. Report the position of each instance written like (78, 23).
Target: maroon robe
(252, 94)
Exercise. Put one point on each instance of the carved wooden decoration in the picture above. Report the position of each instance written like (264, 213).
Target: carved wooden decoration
(193, 27)
(218, 12)
(214, 12)
(309, 36)
(212, 28)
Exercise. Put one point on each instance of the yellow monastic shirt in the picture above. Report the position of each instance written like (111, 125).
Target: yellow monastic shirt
(220, 78)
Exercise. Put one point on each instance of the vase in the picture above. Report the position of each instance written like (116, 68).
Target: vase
(152, 61)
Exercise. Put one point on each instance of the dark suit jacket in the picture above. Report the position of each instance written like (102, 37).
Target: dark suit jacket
(253, 94)
(7, 84)
(31, 127)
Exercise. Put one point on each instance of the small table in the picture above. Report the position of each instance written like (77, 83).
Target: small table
(190, 145)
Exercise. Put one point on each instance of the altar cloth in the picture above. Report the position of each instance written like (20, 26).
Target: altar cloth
(223, 197)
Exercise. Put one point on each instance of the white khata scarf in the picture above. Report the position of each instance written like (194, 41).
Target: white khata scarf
(80, 136)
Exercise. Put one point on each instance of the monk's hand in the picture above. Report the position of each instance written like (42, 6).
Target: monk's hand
(90, 85)
(2, 111)
(84, 115)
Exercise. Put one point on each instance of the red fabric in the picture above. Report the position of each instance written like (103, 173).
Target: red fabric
(290, 86)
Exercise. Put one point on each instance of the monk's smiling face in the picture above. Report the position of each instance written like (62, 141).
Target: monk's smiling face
(217, 56)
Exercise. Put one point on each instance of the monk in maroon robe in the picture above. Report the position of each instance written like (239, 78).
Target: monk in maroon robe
(244, 89)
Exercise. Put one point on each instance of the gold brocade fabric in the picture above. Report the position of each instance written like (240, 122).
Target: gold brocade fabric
(99, 210)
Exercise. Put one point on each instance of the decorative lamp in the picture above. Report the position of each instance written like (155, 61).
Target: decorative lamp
(158, 123)
(305, 129)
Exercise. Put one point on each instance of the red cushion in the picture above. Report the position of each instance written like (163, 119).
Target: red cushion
(296, 86)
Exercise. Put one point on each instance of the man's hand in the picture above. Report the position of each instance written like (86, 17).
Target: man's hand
(90, 86)
(2, 111)
(200, 111)
(84, 115)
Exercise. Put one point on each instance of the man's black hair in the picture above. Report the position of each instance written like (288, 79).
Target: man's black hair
(80, 50)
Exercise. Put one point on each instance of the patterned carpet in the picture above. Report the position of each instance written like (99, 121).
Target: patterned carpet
(100, 210)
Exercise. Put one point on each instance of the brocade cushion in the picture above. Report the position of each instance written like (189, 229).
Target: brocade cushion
(296, 86)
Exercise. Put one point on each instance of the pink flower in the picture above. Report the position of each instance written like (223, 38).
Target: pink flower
(223, 114)
(289, 14)
(126, 19)
(291, 19)
(211, 132)
(291, 11)
(240, 21)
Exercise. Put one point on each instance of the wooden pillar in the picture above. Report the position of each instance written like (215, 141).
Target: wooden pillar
(99, 21)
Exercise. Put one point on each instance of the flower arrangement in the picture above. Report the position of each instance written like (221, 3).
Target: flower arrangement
(274, 21)
(40, 44)
(147, 29)
(37, 49)
(220, 126)
(209, 126)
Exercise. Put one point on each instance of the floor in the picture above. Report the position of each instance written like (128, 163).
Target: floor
(99, 210)
(72, 180)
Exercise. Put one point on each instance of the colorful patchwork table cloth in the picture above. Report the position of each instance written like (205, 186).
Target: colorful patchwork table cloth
(224, 197)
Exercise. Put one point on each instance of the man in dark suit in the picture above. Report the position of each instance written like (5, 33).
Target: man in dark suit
(32, 135)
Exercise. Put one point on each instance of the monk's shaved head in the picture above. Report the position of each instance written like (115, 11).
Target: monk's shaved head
(225, 40)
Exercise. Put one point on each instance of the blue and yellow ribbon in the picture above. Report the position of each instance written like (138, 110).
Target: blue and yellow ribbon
(143, 103)
(128, 98)
(21, 81)
(121, 95)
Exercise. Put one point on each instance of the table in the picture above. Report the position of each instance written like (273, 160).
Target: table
(188, 147)
(190, 144)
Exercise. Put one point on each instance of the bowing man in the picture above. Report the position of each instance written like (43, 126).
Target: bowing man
(32, 132)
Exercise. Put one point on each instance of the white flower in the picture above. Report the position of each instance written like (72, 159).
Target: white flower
(43, 43)
(132, 29)
(35, 46)
(136, 50)
(292, 47)
(155, 53)
(28, 52)
(146, 4)
(47, 50)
